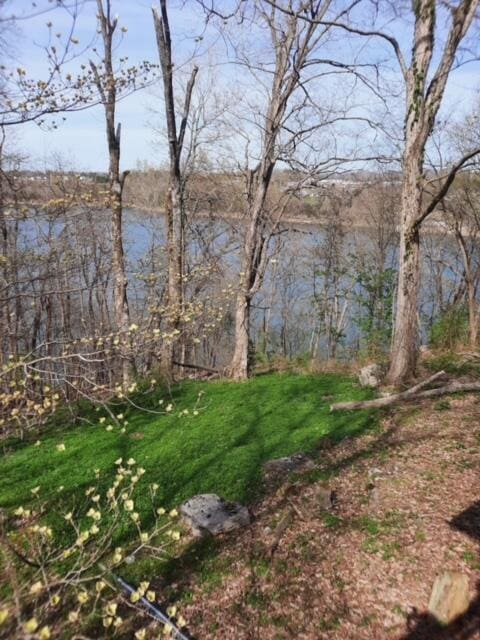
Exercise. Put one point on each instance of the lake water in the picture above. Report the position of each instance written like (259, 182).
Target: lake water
(312, 299)
(300, 300)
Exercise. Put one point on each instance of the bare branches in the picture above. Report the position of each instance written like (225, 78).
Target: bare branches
(312, 17)
(186, 108)
(447, 183)
(462, 18)
(70, 85)
(162, 31)
(174, 201)
(69, 5)
(210, 9)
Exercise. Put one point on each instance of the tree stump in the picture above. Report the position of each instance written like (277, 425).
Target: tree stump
(449, 598)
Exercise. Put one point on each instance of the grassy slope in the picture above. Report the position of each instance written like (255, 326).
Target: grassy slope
(221, 450)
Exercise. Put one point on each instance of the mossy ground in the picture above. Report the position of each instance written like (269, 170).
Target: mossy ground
(237, 428)
(221, 450)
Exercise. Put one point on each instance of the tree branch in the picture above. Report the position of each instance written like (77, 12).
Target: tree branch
(186, 109)
(443, 190)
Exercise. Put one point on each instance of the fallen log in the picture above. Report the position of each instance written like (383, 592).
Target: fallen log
(413, 393)
(198, 367)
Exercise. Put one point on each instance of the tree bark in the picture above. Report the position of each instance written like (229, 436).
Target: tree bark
(240, 365)
(175, 249)
(122, 312)
(472, 315)
(174, 204)
(405, 343)
(423, 100)
(253, 266)
(470, 287)
(106, 87)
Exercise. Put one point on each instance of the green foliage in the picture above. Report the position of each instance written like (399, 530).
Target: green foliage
(260, 358)
(374, 295)
(378, 533)
(472, 559)
(450, 329)
(67, 573)
(301, 363)
(453, 363)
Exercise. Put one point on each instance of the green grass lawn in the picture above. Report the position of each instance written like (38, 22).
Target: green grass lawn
(238, 427)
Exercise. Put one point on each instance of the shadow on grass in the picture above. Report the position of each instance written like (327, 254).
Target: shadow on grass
(198, 559)
(262, 420)
(199, 556)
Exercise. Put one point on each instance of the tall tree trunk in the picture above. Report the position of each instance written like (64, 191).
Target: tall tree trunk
(405, 342)
(240, 364)
(424, 94)
(106, 86)
(253, 266)
(472, 316)
(174, 205)
(292, 45)
(470, 288)
(122, 312)
(175, 246)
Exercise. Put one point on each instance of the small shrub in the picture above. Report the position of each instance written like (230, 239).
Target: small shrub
(450, 329)
(61, 573)
(456, 364)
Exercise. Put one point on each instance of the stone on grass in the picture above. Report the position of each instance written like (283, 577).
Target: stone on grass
(208, 513)
(371, 376)
(449, 598)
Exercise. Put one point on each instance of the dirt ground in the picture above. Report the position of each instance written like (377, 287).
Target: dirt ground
(406, 508)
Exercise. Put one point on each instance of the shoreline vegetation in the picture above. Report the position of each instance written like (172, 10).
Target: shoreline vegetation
(435, 225)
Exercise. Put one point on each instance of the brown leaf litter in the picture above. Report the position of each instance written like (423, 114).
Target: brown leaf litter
(407, 508)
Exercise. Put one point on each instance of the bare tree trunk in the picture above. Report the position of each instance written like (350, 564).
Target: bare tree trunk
(240, 365)
(106, 86)
(472, 316)
(253, 265)
(292, 44)
(470, 287)
(175, 246)
(174, 204)
(424, 94)
(405, 341)
(122, 312)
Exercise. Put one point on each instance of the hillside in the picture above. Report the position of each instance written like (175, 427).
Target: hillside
(407, 509)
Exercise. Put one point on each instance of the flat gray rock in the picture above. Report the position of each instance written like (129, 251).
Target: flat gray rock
(208, 513)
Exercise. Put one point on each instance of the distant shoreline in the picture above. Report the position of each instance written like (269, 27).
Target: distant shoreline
(432, 226)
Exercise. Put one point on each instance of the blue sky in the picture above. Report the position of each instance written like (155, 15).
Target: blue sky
(80, 141)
